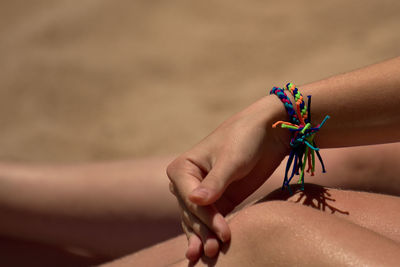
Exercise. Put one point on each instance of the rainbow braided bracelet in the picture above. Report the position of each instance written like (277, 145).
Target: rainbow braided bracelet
(302, 141)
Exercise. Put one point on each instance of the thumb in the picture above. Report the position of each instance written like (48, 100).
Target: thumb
(213, 185)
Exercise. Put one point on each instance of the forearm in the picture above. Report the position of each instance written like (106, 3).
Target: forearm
(363, 106)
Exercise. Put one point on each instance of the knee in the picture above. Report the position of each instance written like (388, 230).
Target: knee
(261, 232)
(267, 220)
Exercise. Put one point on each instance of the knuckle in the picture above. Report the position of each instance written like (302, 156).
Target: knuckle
(188, 208)
(185, 229)
(185, 217)
(172, 169)
(176, 167)
(196, 225)
(193, 208)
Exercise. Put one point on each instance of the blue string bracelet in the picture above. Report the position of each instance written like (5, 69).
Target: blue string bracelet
(303, 133)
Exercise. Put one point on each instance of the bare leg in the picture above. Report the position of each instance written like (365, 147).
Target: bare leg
(367, 168)
(18, 252)
(372, 168)
(344, 230)
(107, 209)
(111, 209)
(281, 233)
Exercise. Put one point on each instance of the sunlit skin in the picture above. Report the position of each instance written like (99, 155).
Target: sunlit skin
(228, 165)
(217, 174)
(133, 174)
(60, 205)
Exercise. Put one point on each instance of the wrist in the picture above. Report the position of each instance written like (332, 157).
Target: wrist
(274, 110)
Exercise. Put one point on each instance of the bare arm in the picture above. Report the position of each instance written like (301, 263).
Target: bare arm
(363, 106)
(231, 163)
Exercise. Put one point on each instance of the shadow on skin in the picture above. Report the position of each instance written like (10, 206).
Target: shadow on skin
(212, 262)
(314, 196)
(14, 252)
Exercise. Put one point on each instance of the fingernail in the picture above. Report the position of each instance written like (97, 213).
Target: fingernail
(221, 236)
(224, 237)
(200, 192)
(211, 247)
(188, 253)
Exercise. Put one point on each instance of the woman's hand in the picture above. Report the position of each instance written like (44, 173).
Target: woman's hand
(217, 174)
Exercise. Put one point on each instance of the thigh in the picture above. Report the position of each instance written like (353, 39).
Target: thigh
(333, 224)
(376, 212)
(367, 168)
(372, 168)
(107, 208)
(324, 227)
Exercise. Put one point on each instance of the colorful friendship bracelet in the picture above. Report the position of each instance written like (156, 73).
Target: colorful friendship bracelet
(302, 141)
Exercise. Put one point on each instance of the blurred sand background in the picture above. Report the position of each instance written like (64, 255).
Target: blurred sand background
(102, 80)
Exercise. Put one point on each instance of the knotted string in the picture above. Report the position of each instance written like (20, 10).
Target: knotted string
(302, 141)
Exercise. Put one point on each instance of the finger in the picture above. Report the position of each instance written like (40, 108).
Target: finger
(194, 250)
(208, 215)
(211, 244)
(171, 188)
(191, 223)
(215, 183)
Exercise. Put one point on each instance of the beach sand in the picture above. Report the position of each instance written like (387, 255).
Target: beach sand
(104, 80)
(97, 80)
